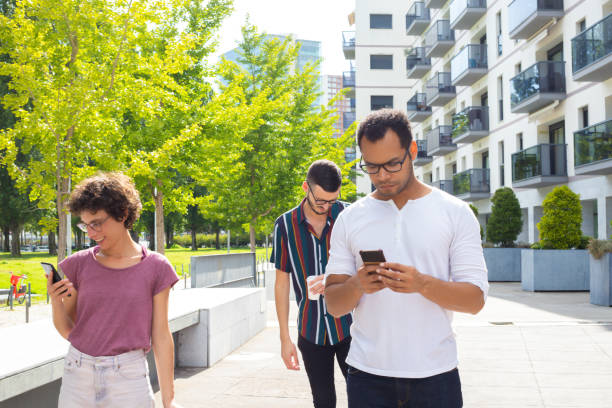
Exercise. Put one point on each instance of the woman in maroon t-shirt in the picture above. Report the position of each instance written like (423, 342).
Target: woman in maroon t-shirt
(112, 305)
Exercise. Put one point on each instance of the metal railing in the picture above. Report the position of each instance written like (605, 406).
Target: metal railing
(457, 6)
(471, 181)
(417, 57)
(539, 160)
(593, 144)
(470, 56)
(348, 39)
(439, 83)
(440, 136)
(348, 79)
(416, 12)
(521, 10)
(541, 77)
(444, 185)
(418, 103)
(422, 149)
(473, 118)
(439, 31)
(592, 44)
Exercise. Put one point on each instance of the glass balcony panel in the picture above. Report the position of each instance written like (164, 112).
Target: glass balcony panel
(471, 119)
(543, 160)
(471, 181)
(458, 7)
(523, 11)
(417, 12)
(438, 32)
(593, 145)
(438, 85)
(348, 79)
(418, 103)
(591, 46)
(543, 77)
(417, 57)
(348, 44)
(472, 56)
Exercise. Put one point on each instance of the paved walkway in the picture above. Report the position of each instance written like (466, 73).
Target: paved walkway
(523, 350)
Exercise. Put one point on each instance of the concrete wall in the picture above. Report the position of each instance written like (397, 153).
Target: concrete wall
(226, 270)
(601, 280)
(555, 270)
(503, 264)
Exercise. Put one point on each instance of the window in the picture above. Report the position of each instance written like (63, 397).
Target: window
(500, 97)
(498, 30)
(485, 160)
(454, 168)
(381, 21)
(501, 163)
(437, 173)
(381, 61)
(584, 116)
(518, 68)
(519, 142)
(484, 99)
(581, 26)
(463, 165)
(555, 53)
(381, 102)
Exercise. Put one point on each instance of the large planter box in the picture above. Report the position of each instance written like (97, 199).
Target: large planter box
(601, 280)
(555, 270)
(503, 264)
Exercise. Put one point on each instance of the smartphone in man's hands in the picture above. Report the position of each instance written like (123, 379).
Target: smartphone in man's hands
(372, 257)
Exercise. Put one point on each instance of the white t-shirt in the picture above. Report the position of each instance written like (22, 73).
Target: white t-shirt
(400, 334)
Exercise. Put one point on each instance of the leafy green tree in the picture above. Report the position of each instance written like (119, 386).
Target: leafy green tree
(475, 211)
(287, 133)
(560, 226)
(505, 222)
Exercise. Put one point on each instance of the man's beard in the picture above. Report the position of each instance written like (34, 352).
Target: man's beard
(312, 207)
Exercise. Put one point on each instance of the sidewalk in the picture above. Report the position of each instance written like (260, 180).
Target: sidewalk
(522, 350)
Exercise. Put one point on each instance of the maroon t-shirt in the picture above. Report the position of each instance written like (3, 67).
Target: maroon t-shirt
(115, 306)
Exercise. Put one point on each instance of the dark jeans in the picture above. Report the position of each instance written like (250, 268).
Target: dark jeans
(373, 391)
(319, 365)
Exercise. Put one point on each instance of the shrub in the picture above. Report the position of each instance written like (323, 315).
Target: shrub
(505, 222)
(561, 220)
(475, 211)
(599, 247)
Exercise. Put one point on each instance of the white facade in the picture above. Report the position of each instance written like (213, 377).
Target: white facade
(554, 121)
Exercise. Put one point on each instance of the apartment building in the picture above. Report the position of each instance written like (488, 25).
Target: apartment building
(514, 93)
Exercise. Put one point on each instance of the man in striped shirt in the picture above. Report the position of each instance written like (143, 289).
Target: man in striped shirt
(301, 249)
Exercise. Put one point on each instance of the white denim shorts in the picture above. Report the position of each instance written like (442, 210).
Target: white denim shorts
(113, 381)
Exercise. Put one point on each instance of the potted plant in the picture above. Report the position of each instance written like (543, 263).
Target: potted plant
(557, 263)
(600, 270)
(504, 226)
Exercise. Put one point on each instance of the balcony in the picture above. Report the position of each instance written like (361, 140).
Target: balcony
(537, 86)
(593, 149)
(592, 52)
(439, 90)
(539, 166)
(444, 185)
(417, 108)
(439, 38)
(472, 184)
(417, 19)
(527, 17)
(469, 65)
(348, 81)
(348, 44)
(471, 124)
(465, 13)
(352, 103)
(417, 64)
(435, 4)
(422, 157)
(347, 119)
(440, 141)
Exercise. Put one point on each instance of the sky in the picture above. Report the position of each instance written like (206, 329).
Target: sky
(318, 20)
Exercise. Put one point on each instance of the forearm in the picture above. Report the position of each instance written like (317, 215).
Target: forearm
(281, 299)
(163, 348)
(62, 322)
(456, 296)
(342, 297)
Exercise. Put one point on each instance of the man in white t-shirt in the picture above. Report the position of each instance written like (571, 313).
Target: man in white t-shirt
(403, 352)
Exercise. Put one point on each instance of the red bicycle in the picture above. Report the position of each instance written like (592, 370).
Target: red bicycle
(19, 289)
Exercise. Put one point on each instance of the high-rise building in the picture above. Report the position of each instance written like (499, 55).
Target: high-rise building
(515, 94)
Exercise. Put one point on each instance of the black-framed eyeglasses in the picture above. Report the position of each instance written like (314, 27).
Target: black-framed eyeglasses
(96, 225)
(319, 201)
(390, 167)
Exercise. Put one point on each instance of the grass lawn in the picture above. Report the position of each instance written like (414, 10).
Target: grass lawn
(29, 264)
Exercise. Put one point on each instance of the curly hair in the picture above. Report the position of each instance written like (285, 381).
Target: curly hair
(375, 126)
(112, 192)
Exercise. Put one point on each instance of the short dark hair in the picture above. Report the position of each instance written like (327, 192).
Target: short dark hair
(376, 124)
(325, 173)
(114, 193)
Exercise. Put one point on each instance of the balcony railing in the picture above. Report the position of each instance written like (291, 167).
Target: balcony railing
(526, 17)
(348, 118)
(439, 38)
(471, 124)
(469, 64)
(417, 108)
(348, 79)
(348, 44)
(592, 52)
(538, 162)
(422, 156)
(472, 181)
(417, 19)
(440, 141)
(444, 185)
(464, 13)
(593, 147)
(544, 81)
(352, 103)
(417, 63)
(439, 89)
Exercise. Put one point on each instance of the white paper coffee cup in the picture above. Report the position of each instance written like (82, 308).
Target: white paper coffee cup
(309, 283)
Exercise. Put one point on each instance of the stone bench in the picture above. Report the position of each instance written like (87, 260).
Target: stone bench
(207, 324)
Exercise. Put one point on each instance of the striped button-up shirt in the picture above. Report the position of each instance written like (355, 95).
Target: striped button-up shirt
(300, 252)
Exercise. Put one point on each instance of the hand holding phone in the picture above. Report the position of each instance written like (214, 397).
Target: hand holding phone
(50, 269)
(372, 257)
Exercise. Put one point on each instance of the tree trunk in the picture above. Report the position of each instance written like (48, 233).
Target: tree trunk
(217, 243)
(61, 193)
(194, 240)
(252, 234)
(159, 221)
(52, 245)
(16, 241)
(7, 239)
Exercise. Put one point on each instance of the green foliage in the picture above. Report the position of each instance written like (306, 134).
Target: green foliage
(561, 220)
(475, 211)
(505, 223)
(599, 247)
